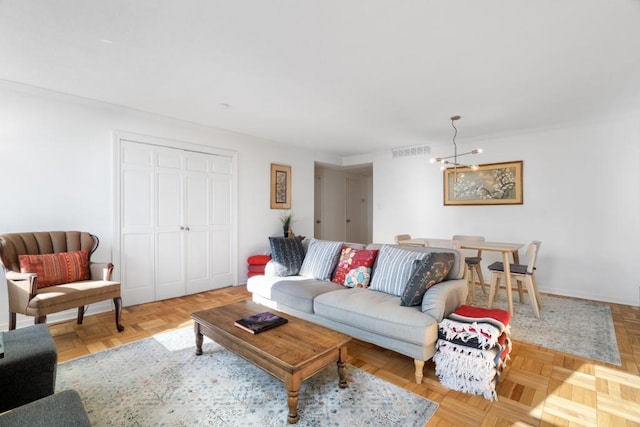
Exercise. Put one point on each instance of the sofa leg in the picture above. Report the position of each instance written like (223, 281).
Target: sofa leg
(80, 314)
(40, 319)
(118, 304)
(419, 370)
(12, 321)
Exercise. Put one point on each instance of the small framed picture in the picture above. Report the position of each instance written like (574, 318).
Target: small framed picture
(280, 186)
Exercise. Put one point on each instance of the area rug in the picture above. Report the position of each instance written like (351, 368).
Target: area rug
(581, 328)
(160, 382)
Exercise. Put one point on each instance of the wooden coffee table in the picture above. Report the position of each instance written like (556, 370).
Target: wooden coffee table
(291, 352)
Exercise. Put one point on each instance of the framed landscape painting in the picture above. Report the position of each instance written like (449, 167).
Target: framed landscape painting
(280, 186)
(490, 184)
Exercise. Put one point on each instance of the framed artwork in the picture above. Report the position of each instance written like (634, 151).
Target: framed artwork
(490, 184)
(280, 186)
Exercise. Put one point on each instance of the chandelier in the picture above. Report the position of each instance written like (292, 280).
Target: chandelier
(452, 161)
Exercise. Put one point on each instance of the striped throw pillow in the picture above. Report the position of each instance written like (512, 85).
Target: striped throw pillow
(58, 268)
(321, 259)
(393, 269)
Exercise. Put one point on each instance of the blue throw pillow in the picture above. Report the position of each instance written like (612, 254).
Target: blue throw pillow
(429, 271)
(286, 255)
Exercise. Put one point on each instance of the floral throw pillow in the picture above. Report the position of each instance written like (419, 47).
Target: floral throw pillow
(354, 267)
(429, 271)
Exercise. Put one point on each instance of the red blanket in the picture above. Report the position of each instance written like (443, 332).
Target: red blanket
(493, 316)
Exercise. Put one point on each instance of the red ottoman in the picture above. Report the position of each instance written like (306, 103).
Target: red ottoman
(256, 264)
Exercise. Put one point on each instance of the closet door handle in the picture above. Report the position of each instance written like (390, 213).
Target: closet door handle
(181, 228)
(187, 228)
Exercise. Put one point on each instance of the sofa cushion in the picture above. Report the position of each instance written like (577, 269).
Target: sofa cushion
(393, 268)
(57, 268)
(354, 267)
(378, 313)
(429, 271)
(300, 294)
(320, 260)
(287, 255)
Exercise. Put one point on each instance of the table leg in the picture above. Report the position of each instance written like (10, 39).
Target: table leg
(342, 367)
(292, 384)
(199, 339)
(507, 273)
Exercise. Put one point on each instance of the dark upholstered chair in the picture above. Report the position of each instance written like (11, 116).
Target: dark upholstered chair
(27, 298)
(28, 368)
(62, 409)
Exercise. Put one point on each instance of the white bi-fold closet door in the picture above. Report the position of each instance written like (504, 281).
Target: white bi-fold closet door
(176, 222)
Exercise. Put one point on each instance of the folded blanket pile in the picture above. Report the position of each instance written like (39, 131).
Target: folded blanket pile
(472, 349)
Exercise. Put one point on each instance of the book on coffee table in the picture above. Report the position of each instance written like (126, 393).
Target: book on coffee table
(260, 322)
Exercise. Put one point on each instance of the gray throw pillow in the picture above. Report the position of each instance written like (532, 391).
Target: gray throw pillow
(429, 271)
(286, 255)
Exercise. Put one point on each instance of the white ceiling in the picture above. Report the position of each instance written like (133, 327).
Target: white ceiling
(345, 76)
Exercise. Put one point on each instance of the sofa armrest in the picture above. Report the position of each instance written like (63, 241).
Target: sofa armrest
(21, 287)
(444, 298)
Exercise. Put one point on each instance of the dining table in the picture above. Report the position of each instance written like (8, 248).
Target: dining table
(505, 249)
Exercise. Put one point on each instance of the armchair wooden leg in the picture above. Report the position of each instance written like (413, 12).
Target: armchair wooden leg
(118, 305)
(80, 314)
(40, 319)
(12, 321)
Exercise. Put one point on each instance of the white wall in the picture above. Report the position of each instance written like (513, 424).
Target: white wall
(581, 199)
(56, 168)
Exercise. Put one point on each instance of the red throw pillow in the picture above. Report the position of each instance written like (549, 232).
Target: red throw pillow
(354, 267)
(58, 268)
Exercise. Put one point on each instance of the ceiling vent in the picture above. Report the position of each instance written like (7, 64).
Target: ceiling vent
(416, 150)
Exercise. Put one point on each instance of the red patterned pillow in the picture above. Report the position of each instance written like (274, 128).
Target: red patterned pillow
(354, 267)
(58, 268)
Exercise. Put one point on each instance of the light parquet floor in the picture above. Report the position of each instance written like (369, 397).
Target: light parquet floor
(539, 387)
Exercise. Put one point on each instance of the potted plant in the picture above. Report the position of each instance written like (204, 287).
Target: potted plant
(287, 220)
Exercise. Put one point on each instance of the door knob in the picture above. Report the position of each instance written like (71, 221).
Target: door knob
(348, 220)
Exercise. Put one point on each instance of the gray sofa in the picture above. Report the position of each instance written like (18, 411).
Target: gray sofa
(369, 315)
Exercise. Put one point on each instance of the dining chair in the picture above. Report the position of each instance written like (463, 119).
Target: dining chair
(473, 263)
(520, 273)
(400, 237)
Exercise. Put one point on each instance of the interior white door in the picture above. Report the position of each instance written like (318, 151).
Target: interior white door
(221, 222)
(354, 204)
(169, 265)
(196, 233)
(137, 223)
(176, 222)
